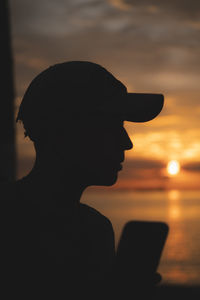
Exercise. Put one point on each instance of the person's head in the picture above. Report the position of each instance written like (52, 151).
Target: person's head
(75, 111)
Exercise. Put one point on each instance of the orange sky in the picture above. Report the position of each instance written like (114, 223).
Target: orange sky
(151, 46)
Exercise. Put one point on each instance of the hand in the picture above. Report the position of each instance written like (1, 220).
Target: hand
(148, 280)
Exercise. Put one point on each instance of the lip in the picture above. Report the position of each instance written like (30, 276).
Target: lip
(117, 164)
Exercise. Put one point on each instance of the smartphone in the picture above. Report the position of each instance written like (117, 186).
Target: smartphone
(140, 247)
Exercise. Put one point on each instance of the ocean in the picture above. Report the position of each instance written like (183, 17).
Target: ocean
(180, 261)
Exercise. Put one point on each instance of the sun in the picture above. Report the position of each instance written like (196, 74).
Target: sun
(173, 167)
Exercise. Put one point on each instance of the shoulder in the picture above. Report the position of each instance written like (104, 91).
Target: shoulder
(101, 232)
(94, 216)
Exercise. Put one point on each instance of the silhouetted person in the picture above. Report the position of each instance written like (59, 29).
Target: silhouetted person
(74, 113)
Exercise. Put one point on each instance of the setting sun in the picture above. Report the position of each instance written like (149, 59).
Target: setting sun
(173, 167)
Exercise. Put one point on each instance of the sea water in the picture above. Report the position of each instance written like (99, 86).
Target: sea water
(180, 261)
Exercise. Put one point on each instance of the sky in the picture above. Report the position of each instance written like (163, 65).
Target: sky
(149, 45)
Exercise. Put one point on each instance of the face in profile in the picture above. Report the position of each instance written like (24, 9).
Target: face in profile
(95, 148)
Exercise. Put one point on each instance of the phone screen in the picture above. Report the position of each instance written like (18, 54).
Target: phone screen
(140, 246)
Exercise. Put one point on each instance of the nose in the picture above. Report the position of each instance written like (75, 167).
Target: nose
(126, 141)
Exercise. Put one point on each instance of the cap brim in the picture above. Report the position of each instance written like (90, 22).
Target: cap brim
(142, 107)
(138, 107)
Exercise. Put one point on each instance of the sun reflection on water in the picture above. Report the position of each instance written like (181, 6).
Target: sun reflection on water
(173, 195)
(174, 206)
(176, 251)
(174, 210)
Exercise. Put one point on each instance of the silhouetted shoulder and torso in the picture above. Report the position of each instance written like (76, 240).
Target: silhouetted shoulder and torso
(54, 247)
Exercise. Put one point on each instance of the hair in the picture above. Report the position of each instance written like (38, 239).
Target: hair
(61, 90)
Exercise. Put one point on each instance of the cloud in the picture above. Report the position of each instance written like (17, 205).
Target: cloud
(192, 166)
(142, 168)
(56, 18)
(156, 53)
(139, 67)
(179, 8)
(144, 164)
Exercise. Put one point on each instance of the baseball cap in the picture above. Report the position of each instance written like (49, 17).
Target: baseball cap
(82, 87)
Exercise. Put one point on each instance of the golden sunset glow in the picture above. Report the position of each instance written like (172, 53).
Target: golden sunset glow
(173, 167)
(175, 132)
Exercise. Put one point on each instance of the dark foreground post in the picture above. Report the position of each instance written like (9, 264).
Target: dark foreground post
(7, 134)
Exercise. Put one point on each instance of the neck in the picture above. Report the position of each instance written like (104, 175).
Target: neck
(61, 185)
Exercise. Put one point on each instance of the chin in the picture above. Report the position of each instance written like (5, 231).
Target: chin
(106, 180)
